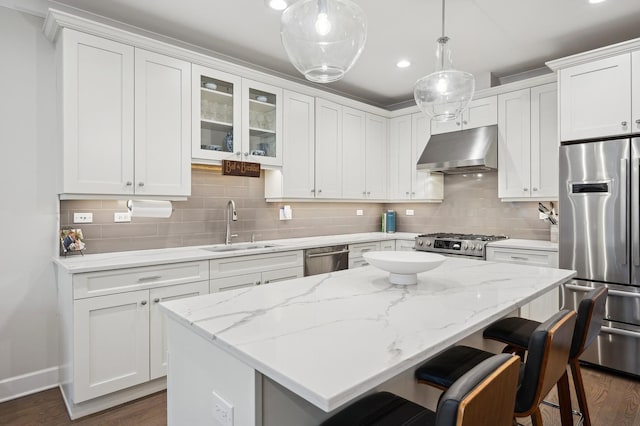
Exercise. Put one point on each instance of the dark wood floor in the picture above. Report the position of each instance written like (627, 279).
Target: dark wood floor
(613, 401)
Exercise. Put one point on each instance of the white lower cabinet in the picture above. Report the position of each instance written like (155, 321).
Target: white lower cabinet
(388, 245)
(113, 333)
(405, 245)
(357, 250)
(546, 305)
(247, 271)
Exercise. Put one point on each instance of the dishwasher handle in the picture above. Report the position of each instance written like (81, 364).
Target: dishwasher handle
(330, 253)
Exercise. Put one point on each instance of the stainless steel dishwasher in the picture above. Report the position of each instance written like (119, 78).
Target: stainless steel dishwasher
(326, 259)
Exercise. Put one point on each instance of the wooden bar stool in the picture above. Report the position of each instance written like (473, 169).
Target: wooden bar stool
(545, 368)
(484, 396)
(515, 333)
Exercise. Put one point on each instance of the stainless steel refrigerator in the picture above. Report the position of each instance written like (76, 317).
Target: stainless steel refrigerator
(599, 237)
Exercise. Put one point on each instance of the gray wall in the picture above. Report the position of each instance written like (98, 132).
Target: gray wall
(28, 332)
(471, 205)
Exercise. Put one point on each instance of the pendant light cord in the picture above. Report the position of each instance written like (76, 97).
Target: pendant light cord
(443, 18)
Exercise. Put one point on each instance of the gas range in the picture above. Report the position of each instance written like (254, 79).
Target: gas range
(467, 245)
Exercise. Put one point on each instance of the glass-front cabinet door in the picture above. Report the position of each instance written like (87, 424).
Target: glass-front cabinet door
(261, 123)
(216, 112)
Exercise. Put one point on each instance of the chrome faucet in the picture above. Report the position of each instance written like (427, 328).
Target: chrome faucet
(232, 215)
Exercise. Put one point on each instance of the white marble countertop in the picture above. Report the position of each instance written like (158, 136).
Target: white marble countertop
(126, 259)
(331, 337)
(525, 244)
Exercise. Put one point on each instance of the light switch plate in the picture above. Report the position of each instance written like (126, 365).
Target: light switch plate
(409, 212)
(82, 217)
(359, 212)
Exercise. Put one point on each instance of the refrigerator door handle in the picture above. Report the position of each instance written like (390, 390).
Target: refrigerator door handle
(619, 331)
(624, 225)
(635, 199)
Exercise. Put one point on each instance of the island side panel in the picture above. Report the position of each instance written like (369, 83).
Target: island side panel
(196, 369)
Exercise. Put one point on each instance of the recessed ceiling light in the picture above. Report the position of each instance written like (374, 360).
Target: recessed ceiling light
(403, 63)
(596, 1)
(277, 4)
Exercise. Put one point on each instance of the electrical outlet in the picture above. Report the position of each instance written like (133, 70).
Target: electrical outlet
(82, 217)
(122, 217)
(222, 410)
(409, 212)
(359, 212)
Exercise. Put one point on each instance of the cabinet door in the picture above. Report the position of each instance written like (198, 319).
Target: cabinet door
(376, 157)
(269, 277)
(388, 245)
(438, 127)
(353, 153)
(328, 149)
(298, 166)
(595, 98)
(635, 91)
(235, 282)
(481, 112)
(97, 112)
(544, 141)
(514, 142)
(157, 334)
(162, 130)
(425, 185)
(261, 123)
(400, 154)
(216, 111)
(111, 343)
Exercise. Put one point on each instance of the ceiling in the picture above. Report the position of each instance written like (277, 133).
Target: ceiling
(488, 37)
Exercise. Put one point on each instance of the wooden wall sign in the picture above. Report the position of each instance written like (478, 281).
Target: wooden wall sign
(240, 168)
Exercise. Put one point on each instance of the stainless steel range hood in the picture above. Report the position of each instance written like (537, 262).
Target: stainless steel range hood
(464, 151)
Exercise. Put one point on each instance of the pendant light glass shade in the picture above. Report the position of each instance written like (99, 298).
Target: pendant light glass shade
(323, 38)
(445, 93)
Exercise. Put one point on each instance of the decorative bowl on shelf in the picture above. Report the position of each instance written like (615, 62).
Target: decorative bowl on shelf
(211, 86)
(261, 98)
(404, 266)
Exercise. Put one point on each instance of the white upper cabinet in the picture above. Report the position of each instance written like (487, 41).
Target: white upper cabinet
(162, 130)
(595, 98)
(235, 119)
(527, 144)
(408, 135)
(328, 149)
(118, 140)
(635, 91)
(353, 153)
(481, 112)
(298, 162)
(376, 159)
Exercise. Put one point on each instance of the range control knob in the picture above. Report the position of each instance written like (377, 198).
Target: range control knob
(420, 242)
(479, 247)
(428, 243)
(464, 246)
(471, 247)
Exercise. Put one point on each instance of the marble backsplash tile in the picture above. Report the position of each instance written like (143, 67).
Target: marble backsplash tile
(471, 205)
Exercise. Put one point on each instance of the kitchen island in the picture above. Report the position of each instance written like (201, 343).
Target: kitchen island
(293, 352)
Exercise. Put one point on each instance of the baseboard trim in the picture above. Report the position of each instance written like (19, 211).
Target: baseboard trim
(26, 384)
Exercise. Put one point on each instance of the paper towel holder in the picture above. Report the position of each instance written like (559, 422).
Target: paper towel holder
(150, 208)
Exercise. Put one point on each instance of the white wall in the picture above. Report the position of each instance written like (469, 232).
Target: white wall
(28, 210)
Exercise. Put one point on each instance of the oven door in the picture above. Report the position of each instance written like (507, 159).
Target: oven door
(618, 345)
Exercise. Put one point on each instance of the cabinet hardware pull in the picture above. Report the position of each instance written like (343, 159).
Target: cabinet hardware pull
(638, 121)
(313, 190)
(141, 184)
(266, 282)
(144, 302)
(258, 283)
(519, 258)
(238, 153)
(407, 193)
(319, 191)
(535, 189)
(464, 122)
(624, 124)
(368, 192)
(525, 189)
(129, 183)
(156, 300)
(457, 123)
(150, 277)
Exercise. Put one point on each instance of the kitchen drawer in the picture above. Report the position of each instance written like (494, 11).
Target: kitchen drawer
(523, 257)
(356, 250)
(405, 245)
(388, 245)
(92, 284)
(357, 263)
(230, 266)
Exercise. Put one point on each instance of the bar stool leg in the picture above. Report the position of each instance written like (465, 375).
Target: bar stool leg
(564, 399)
(579, 385)
(536, 417)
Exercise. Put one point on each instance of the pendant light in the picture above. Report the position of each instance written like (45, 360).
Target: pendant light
(446, 92)
(323, 38)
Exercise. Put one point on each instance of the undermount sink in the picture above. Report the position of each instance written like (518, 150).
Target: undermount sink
(235, 247)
